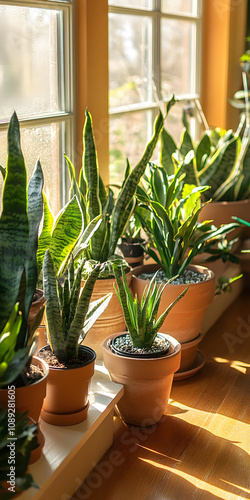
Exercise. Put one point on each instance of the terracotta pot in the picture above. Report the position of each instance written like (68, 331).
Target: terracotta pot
(66, 401)
(188, 353)
(111, 320)
(36, 305)
(30, 397)
(132, 252)
(184, 322)
(221, 212)
(147, 382)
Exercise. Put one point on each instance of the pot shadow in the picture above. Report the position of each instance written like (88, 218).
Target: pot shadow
(221, 387)
(171, 460)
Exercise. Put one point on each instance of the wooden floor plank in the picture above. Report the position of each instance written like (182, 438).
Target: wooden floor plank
(200, 449)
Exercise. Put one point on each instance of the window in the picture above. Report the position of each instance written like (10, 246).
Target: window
(153, 53)
(36, 81)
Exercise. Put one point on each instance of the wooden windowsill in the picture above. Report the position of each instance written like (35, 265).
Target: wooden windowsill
(70, 452)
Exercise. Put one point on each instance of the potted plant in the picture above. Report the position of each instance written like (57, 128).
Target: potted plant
(69, 316)
(14, 474)
(63, 235)
(142, 359)
(131, 243)
(22, 208)
(220, 160)
(178, 238)
(96, 200)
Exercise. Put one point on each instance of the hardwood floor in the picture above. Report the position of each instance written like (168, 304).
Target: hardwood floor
(200, 448)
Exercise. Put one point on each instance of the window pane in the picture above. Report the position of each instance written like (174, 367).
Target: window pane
(135, 4)
(129, 59)
(41, 142)
(29, 61)
(128, 137)
(180, 6)
(177, 57)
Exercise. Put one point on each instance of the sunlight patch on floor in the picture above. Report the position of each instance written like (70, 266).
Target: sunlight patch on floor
(198, 483)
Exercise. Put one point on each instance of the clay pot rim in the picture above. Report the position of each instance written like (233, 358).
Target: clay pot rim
(174, 344)
(202, 269)
(57, 368)
(192, 343)
(233, 202)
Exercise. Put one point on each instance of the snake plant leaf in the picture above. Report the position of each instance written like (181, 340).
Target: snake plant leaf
(45, 237)
(75, 189)
(168, 147)
(65, 234)
(161, 319)
(3, 171)
(119, 222)
(96, 308)
(35, 211)
(219, 167)
(92, 179)
(53, 315)
(203, 151)
(14, 226)
(77, 324)
(87, 234)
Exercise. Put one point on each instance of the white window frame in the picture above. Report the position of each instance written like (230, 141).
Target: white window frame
(68, 116)
(157, 100)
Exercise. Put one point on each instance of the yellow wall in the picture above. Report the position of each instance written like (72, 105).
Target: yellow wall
(224, 27)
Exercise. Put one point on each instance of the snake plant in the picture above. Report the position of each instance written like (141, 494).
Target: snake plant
(69, 314)
(175, 231)
(94, 199)
(141, 317)
(221, 160)
(22, 209)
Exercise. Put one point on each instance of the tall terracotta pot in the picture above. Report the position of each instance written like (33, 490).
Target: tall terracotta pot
(111, 320)
(66, 401)
(147, 382)
(184, 321)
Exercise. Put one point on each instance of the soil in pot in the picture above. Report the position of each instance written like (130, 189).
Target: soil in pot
(66, 401)
(147, 382)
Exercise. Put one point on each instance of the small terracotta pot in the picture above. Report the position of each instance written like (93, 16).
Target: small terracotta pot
(111, 320)
(147, 382)
(188, 352)
(132, 251)
(30, 397)
(184, 322)
(66, 401)
(221, 212)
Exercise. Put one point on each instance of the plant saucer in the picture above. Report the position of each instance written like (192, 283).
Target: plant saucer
(198, 363)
